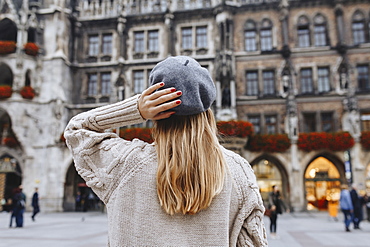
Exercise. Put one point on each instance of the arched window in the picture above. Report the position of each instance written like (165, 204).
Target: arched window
(320, 31)
(303, 31)
(28, 78)
(266, 35)
(250, 36)
(8, 30)
(358, 28)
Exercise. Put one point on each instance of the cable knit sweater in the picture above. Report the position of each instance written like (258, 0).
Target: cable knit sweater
(123, 175)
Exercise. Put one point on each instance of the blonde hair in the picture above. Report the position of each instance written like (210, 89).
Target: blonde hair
(191, 166)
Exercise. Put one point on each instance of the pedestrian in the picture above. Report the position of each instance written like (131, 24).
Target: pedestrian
(357, 207)
(367, 206)
(346, 206)
(276, 206)
(183, 189)
(19, 205)
(78, 201)
(35, 204)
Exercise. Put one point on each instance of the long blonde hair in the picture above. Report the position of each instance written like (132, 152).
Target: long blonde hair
(191, 166)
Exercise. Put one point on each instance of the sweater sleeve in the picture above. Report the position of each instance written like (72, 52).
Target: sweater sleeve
(249, 225)
(97, 152)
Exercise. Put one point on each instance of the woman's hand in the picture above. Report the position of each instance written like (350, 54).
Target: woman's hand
(154, 105)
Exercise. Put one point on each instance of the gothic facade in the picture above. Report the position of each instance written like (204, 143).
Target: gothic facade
(288, 67)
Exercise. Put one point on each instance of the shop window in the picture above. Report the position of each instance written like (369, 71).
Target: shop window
(320, 31)
(363, 78)
(322, 182)
(306, 81)
(309, 122)
(250, 36)
(252, 83)
(266, 35)
(93, 45)
(358, 28)
(268, 78)
(303, 32)
(323, 81)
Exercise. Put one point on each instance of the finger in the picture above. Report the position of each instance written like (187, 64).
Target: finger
(167, 106)
(152, 88)
(166, 98)
(162, 92)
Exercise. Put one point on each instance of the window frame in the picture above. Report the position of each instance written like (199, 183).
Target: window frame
(250, 42)
(323, 81)
(251, 88)
(306, 81)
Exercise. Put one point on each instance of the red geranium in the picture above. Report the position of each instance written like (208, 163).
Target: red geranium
(27, 92)
(7, 47)
(31, 49)
(5, 91)
(340, 141)
(269, 143)
(10, 141)
(235, 128)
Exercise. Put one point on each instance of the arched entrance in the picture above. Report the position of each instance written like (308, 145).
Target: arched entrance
(10, 179)
(322, 183)
(269, 172)
(74, 186)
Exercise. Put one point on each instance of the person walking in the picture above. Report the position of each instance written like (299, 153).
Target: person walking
(19, 205)
(357, 207)
(183, 189)
(346, 206)
(276, 206)
(35, 204)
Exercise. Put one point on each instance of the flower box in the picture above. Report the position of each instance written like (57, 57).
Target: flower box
(269, 143)
(31, 49)
(340, 141)
(7, 47)
(5, 91)
(235, 128)
(27, 92)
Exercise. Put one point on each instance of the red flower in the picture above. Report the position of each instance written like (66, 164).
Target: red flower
(31, 49)
(144, 134)
(27, 92)
(269, 143)
(340, 141)
(5, 91)
(235, 128)
(7, 47)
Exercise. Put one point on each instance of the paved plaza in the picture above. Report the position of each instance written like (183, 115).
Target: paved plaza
(90, 230)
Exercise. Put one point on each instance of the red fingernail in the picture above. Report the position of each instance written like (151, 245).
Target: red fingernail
(179, 93)
(162, 84)
(173, 90)
(178, 101)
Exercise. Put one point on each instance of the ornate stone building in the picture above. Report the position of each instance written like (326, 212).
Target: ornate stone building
(288, 67)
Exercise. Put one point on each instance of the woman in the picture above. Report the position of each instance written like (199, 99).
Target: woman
(184, 189)
(276, 206)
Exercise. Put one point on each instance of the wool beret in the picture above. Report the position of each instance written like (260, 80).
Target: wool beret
(186, 75)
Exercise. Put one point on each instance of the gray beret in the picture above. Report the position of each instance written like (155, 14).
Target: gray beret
(186, 75)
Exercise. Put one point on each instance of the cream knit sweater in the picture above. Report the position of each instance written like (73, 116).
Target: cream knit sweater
(123, 174)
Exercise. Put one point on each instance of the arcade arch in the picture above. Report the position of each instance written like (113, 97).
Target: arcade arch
(322, 179)
(269, 171)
